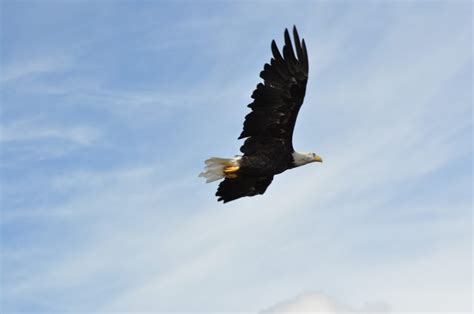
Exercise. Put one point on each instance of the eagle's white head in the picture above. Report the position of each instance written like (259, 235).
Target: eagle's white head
(300, 159)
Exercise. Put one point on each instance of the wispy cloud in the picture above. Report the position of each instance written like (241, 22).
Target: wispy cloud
(28, 68)
(35, 130)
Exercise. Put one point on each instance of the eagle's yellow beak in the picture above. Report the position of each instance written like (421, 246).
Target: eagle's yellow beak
(318, 159)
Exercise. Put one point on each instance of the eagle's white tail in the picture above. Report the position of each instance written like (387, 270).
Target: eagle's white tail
(215, 166)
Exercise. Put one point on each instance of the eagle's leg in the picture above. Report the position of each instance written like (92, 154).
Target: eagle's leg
(230, 171)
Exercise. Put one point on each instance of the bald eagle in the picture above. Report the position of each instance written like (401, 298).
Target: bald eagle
(268, 128)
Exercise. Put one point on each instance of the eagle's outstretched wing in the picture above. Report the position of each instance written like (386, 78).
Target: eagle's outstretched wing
(231, 189)
(270, 125)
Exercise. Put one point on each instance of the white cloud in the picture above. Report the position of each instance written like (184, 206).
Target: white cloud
(308, 303)
(322, 303)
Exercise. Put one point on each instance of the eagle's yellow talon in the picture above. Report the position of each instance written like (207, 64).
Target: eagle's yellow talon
(231, 169)
(230, 172)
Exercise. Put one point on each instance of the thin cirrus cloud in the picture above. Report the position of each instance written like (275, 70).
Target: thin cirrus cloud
(119, 221)
(28, 68)
(35, 131)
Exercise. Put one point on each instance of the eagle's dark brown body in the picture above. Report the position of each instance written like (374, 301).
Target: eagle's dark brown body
(263, 164)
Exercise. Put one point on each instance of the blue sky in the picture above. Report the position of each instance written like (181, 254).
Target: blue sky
(110, 107)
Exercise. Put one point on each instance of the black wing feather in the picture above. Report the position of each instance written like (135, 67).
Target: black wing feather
(270, 124)
(231, 189)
